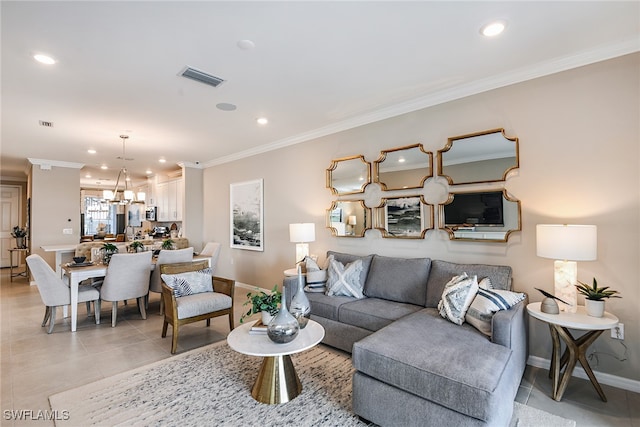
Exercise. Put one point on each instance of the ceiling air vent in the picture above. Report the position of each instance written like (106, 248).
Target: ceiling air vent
(46, 124)
(201, 76)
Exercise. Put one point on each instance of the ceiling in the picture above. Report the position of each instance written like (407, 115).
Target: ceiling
(315, 68)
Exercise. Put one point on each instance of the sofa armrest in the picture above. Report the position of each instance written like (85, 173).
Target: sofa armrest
(509, 328)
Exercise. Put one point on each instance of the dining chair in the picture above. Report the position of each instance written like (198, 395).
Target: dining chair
(55, 292)
(212, 249)
(188, 298)
(167, 257)
(127, 278)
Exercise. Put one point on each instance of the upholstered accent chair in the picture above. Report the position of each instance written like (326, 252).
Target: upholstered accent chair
(212, 249)
(167, 257)
(55, 292)
(127, 278)
(181, 310)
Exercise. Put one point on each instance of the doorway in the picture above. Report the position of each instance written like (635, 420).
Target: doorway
(10, 216)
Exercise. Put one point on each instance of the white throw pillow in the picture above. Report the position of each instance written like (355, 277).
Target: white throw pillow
(486, 303)
(189, 283)
(457, 297)
(344, 280)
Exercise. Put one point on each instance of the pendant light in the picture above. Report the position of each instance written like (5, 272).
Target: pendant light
(126, 196)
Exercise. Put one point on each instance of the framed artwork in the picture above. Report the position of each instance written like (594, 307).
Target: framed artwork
(134, 215)
(247, 215)
(404, 217)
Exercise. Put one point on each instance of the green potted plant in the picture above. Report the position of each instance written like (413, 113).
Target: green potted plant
(108, 249)
(136, 246)
(19, 234)
(167, 244)
(595, 297)
(262, 302)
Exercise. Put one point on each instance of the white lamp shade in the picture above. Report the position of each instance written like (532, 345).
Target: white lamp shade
(302, 232)
(352, 220)
(567, 242)
(128, 194)
(141, 196)
(107, 194)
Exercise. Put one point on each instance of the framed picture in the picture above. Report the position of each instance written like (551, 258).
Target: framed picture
(404, 217)
(247, 215)
(134, 215)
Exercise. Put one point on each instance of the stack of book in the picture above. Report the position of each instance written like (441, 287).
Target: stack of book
(258, 328)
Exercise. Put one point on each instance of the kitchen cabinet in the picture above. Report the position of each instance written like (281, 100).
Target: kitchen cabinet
(168, 197)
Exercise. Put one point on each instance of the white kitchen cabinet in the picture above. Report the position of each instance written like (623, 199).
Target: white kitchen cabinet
(169, 200)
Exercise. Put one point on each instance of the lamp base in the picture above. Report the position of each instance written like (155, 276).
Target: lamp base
(565, 275)
(302, 250)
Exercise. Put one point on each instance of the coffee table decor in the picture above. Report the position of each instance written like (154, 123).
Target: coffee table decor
(283, 328)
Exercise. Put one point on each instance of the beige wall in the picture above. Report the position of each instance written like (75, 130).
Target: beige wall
(579, 160)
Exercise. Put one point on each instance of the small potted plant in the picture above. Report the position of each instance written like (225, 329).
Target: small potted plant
(19, 234)
(167, 244)
(595, 297)
(108, 249)
(261, 302)
(136, 246)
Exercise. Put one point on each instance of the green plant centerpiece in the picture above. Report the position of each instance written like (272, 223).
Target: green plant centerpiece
(261, 301)
(108, 249)
(595, 297)
(137, 246)
(167, 244)
(594, 293)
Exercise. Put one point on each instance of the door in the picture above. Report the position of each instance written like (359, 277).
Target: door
(10, 208)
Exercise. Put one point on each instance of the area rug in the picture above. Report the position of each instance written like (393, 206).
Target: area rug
(211, 386)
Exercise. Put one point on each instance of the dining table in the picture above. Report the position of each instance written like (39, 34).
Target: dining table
(84, 271)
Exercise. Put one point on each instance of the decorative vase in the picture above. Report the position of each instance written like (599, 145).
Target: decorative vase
(300, 305)
(106, 255)
(20, 243)
(594, 308)
(283, 328)
(266, 317)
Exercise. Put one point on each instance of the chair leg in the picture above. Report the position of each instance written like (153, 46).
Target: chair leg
(114, 313)
(52, 322)
(161, 306)
(97, 306)
(88, 308)
(231, 322)
(208, 322)
(47, 315)
(174, 339)
(164, 328)
(143, 312)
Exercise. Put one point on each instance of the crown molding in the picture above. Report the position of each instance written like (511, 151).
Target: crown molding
(46, 164)
(557, 65)
(196, 165)
(13, 179)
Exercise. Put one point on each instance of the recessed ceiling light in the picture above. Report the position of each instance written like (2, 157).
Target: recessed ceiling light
(162, 160)
(44, 59)
(225, 106)
(148, 172)
(104, 167)
(262, 121)
(91, 151)
(401, 160)
(88, 175)
(493, 29)
(246, 44)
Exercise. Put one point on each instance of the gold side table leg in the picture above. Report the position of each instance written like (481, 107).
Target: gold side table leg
(277, 381)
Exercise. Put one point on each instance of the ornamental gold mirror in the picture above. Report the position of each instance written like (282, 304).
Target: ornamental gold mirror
(348, 218)
(407, 217)
(404, 167)
(349, 175)
(478, 157)
(480, 215)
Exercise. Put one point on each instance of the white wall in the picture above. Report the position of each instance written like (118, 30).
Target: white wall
(579, 157)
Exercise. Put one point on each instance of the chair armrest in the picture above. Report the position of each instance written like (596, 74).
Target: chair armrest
(224, 286)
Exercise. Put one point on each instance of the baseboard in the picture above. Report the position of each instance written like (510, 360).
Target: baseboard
(608, 379)
(252, 287)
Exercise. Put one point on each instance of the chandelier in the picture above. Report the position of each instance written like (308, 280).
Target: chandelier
(125, 196)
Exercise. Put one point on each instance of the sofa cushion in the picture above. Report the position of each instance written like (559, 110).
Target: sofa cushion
(442, 271)
(398, 279)
(204, 302)
(374, 313)
(428, 356)
(344, 280)
(457, 297)
(325, 306)
(348, 258)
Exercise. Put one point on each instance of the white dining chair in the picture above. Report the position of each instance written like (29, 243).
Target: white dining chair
(167, 257)
(127, 278)
(55, 292)
(212, 249)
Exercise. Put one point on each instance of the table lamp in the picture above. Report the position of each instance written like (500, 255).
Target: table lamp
(300, 234)
(352, 221)
(566, 244)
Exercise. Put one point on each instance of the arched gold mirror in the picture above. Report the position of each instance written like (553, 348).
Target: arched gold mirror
(348, 218)
(349, 175)
(406, 217)
(480, 215)
(404, 167)
(479, 157)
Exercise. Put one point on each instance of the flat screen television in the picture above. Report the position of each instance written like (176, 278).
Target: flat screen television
(471, 209)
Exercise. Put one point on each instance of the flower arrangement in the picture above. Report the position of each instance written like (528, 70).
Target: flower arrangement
(18, 232)
(594, 293)
(261, 301)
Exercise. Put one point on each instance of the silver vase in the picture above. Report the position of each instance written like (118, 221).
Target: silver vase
(300, 305)
(283, 328)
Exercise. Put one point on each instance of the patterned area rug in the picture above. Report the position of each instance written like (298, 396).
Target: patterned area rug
(211, 386)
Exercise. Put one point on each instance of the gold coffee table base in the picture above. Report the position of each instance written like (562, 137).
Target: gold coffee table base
(277, 381)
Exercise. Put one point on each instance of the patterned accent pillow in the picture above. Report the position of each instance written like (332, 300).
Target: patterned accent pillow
(189, 283)
(457, 297)
(486, 303)
(344, 280)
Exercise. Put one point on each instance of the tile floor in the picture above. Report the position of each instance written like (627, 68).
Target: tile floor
(35, 365)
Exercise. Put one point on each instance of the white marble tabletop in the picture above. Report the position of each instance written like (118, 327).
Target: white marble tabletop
(243, 342)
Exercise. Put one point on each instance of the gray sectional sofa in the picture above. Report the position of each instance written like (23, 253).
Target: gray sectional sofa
(413, 367)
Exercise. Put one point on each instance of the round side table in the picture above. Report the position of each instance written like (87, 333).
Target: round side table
(277, 380)
(559, 325)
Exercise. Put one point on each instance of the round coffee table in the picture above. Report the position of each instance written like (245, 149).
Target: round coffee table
(277, 380)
